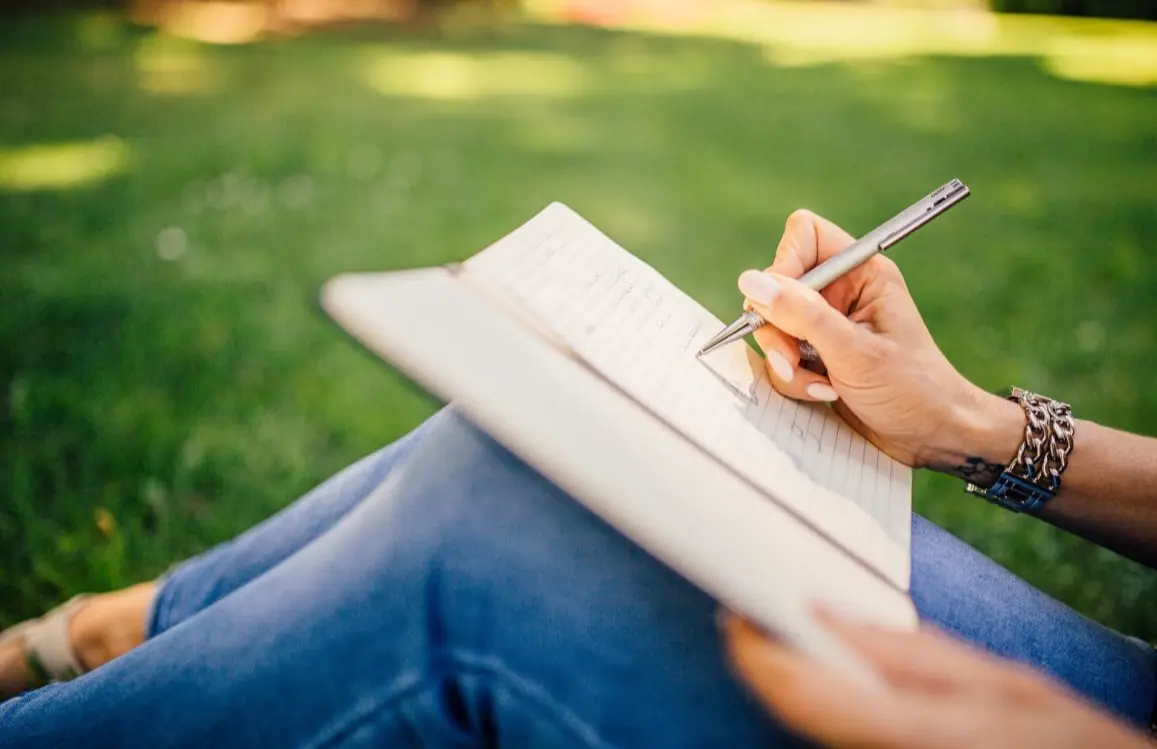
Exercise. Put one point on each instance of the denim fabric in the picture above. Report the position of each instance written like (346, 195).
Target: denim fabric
(198, 582)
(440, 593)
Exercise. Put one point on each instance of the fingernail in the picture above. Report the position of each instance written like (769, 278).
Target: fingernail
(758, 286)
(821, 392)
(780, 365)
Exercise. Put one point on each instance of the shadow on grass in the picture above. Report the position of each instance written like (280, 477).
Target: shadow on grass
(167, 372)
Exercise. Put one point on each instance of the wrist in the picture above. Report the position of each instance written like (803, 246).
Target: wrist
(982, 436)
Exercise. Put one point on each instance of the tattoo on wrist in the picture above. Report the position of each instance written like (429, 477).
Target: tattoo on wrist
(978, 471)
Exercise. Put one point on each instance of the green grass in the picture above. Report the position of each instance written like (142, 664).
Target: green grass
(168, 211)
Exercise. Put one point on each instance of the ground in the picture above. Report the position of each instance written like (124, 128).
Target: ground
(168, 210)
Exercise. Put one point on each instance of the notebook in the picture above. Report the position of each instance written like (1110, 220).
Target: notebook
(580, 358)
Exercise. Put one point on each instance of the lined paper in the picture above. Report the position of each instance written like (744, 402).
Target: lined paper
(626, 321)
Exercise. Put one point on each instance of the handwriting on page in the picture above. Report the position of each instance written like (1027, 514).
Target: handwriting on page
(641, 332)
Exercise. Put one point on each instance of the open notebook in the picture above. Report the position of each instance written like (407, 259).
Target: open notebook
(580, 358)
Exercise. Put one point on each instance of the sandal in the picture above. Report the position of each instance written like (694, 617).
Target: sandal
(47, 649)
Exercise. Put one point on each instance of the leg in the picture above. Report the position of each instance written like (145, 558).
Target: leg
(967, 593)
(203, 580)
(111, 624)
(468, 598)
(465, 601)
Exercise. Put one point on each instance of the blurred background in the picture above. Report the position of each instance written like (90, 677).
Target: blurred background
(177, 178)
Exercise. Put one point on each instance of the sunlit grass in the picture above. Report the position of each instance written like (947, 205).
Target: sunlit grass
(810, 33)
(452, 76)
(168, 64)
(1128, 59)
(45, 166)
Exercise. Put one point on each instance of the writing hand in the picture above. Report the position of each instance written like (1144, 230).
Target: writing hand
(884, 372)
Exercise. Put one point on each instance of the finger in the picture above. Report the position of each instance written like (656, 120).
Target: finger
(926, 659)
(780, 349)
(807, 241)
(784, 367)
(788, 377)
(800, 312)
(817, 701)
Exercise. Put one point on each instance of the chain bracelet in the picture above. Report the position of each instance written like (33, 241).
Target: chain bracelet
(1029, 459)
(1061, 442)
(1033, 476)
(1048, 439)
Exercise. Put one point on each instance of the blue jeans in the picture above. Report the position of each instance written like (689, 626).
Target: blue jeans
(441, 593)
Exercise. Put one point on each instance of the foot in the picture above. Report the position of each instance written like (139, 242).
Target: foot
(104, 627)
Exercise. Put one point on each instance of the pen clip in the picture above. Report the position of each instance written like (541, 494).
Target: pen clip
(936, 203)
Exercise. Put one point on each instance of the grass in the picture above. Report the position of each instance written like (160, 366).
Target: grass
(168, 210)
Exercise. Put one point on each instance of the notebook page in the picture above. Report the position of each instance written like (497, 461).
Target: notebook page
(641, 332)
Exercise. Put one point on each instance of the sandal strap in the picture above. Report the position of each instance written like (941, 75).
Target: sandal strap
(47, 647)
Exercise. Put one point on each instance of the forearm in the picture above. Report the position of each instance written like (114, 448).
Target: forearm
(1108, 493)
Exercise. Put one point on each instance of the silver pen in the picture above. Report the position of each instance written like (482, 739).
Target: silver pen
(856, 254)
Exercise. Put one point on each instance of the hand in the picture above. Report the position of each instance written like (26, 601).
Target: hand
(885, 374)
(937, 692)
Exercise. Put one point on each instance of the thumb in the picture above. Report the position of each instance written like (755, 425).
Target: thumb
(807, 240)
(799, 311)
